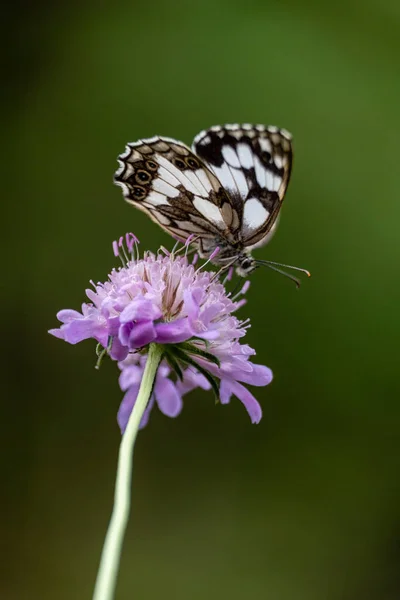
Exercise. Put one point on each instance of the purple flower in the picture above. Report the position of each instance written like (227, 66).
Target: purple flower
(167, 393)
(166, 300)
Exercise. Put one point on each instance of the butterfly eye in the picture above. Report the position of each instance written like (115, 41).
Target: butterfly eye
(192, 163)
(246, 264)
(139, 192)
(143, 176)
(151, 165)
(179, 163)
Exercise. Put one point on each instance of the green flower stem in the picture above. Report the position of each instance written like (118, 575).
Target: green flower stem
(110, 558)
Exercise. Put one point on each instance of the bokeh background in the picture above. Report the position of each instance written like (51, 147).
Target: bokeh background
(306, 504)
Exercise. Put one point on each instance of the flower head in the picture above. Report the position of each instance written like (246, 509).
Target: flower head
(164, 299)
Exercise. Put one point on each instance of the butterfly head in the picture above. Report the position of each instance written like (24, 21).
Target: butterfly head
(245, 265)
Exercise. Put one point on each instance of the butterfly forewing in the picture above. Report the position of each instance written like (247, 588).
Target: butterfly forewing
(164, 178)
(253, 163)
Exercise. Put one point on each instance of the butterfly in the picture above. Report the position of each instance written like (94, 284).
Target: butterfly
(225, 192)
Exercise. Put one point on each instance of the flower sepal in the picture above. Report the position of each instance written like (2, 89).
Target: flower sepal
(180, 354)
(190, 348)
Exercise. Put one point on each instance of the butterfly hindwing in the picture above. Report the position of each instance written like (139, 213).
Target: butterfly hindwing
(164, 178)
(253, 163)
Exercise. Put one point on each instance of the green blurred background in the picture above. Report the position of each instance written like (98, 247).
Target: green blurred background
(306, 504)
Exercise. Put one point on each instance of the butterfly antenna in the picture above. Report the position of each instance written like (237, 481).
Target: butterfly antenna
(271, 262)
(272, 265)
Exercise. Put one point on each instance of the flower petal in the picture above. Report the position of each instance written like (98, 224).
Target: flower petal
(118, 351)
(58, 333)
(173, 332)
(130, 376)
(142, 334)
(127, 405)
(208, 335)
(228, 388)
(81, 329)
(67, 315)
(136, 335)
(259, 376)
(140, 309)
(191, 380)
(212, 311)
(192, 300)
(168, 398)
(113, 325)
(225, 391)
(124, 333)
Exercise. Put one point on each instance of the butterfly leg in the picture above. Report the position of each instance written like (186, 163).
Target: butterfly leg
(223, 270)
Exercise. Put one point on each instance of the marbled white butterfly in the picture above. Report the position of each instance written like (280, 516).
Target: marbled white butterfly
(227, 190)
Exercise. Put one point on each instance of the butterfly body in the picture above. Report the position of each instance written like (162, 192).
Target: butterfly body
(226, 191)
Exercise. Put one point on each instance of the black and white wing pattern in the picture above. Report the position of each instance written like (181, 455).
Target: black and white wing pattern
(253, 164)
(165, 179)
(227, 190)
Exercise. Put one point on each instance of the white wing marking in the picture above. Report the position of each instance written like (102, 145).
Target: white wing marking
(201, 137)
(245, 156)
(167, 176)
(269, 180)
(273, 182)
(197, 183)
(180, 175)
(124, 187)
(225, 176)
(150, 140)
(128, 168)
(265, 145)
(254, 215)
(260, 172)
(159, 185)
(286, 134)
(230, 156)
(162, 219)
(204, 179)
(209, 211)
(130, 152)
(156, 198)
(241, 182)
(237, 134)
(277, 183)
(206, 140)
